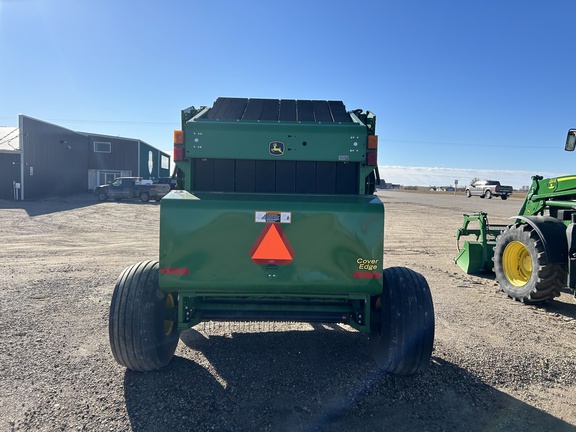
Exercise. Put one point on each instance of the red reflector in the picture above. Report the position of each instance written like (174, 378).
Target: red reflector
(174, 271)
(367, 275)
(372, 159)
(178, 153)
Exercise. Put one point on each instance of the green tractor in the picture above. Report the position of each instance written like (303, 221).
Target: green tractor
(274, 219)
(535, 257)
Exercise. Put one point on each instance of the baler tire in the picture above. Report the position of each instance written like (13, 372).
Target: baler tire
(141, 338)
(102, 196)
(144, 197)
(403, 338)
(522, 268)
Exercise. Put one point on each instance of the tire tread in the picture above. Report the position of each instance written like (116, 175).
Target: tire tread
(135, 340)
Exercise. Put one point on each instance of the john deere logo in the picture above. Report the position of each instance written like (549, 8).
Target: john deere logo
(276, 148)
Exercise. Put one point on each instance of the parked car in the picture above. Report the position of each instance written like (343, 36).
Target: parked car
(132, 187)
(167, 180)
(488, 189)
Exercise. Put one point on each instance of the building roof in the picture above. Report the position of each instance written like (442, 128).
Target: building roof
(9, 139)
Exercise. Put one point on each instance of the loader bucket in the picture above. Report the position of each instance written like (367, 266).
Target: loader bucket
(474, 257)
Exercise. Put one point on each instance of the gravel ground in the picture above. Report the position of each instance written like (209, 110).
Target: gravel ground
(497, 365)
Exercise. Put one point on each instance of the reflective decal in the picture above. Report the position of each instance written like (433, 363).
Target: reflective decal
(272, 246)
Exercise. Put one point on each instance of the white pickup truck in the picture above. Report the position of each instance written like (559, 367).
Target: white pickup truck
(488, 189)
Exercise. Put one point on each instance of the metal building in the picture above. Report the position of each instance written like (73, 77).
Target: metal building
(40, 159)
(9, 162)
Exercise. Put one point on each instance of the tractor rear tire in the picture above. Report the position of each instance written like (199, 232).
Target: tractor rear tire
(402, 338)
(141, 337)
(522, 268)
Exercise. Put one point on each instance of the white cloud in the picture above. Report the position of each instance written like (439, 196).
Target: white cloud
(434, 176)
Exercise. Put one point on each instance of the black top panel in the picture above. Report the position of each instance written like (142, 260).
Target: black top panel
(279, 110)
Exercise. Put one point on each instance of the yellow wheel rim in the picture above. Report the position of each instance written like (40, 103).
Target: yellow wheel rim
(169, 324)
(517, 263)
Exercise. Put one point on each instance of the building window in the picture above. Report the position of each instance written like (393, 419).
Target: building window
(105, 177)
(164, 162)
(102, 147)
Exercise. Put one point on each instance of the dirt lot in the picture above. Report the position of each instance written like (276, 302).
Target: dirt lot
(497, 365)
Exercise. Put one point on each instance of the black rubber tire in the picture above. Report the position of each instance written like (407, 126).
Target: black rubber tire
(102, 196)
(519, 256)
(140, 337)
(144, 197)
(504, 197)
(468, 194)
(488, 194)
(403, 337)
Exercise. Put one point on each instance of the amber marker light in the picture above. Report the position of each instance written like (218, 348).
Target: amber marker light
(372, 142)
(178, 137)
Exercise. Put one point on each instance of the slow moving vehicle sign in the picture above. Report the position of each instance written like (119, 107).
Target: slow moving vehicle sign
(272, 246)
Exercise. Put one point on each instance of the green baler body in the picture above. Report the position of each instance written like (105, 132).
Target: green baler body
(276, 218)
(206, 240)
(303, 141)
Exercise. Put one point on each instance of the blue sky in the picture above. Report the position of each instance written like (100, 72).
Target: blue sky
(474, 85)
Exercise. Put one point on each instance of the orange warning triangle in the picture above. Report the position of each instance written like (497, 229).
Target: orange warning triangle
(272, 246)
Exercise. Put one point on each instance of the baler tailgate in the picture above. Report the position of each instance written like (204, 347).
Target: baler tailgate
(249, 244)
